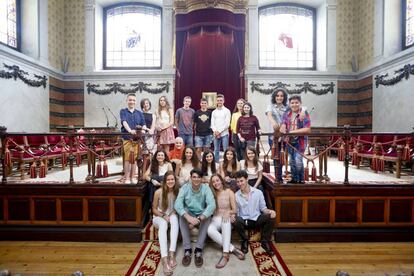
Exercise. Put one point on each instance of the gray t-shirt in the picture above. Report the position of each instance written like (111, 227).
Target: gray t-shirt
(277, 112)
(185, 120)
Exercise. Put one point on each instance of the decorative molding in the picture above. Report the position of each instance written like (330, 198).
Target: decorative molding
(118, 87)
(303, 88)
(186, 6)
(15, 72)
(402, 73)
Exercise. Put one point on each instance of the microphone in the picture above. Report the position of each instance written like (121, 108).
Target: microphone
(106, 116)
(116, 119)
(313, 108)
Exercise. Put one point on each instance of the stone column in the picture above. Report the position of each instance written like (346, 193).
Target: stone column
(43, 32)
(253, 37)
(331, 35)
(89, 35)
(167, 35)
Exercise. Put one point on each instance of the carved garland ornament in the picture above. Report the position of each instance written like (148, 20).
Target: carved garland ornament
(303, 88)
(15, 72)
(118, 87)
(403, 73)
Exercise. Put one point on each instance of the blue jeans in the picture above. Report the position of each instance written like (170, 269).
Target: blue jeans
(296, 164)
(203, 141)
(188, 139)
(224, 141)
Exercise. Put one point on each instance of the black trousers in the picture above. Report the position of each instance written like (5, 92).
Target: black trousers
(263, 222)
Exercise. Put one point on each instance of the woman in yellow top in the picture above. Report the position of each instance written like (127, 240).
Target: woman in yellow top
(237, 112)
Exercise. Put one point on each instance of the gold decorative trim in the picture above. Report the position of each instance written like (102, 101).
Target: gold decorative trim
(186, 6)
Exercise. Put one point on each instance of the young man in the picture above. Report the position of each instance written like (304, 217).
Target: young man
(294, 123)
(203, 133)
(220, 122)
(194, 204)
(184, 121)
(252, 213)
(130, 119)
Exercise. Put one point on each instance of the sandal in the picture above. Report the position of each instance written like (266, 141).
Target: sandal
(166, 267)
(171, 260)
(223, 261)
(122, 180)
(237, 252)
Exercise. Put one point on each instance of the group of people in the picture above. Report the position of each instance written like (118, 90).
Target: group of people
(212, 208)
(177, 180)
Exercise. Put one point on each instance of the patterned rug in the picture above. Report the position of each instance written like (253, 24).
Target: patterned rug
(148, 258)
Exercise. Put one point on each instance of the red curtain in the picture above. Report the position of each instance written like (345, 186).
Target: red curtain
(210, 55)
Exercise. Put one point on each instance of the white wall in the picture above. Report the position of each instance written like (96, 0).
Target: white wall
(392, 27)
(393, 105)
(22, 107)
(95, 116)
(321, 38)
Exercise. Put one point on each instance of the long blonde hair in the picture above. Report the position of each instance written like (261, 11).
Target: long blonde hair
(167, 105)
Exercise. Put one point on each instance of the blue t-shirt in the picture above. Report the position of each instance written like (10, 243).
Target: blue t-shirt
(135, 118)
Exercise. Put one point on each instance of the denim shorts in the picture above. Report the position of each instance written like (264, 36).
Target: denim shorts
(203, 141)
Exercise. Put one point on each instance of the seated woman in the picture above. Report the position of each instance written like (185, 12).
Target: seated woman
(164, 215)
(176, 153)
(228, 167)
(224, 215)
(254, 168)
(208, 166)
(189, 161)
(160, 164)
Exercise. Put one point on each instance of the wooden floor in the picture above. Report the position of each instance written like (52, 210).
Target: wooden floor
(63, 258)
(373, 259)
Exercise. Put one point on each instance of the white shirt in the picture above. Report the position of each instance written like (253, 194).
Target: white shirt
(220, 120)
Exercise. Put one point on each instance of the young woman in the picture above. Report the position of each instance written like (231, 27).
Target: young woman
(247, 127)
(150, 124)
(165, 122)
(237, 113)
(189, 161)
(208, 165)
(224, 215)
(164, 215)
(228, 167)
(253, 167)
(160, 164)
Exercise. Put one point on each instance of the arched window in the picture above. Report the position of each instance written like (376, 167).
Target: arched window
(408, 23)
(132, 36)
(287, 37)
(10, 23)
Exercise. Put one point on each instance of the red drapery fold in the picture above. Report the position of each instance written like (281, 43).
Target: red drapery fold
(210, 55)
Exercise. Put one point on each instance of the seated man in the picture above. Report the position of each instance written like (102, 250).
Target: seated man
(252, 213)
(194, 204)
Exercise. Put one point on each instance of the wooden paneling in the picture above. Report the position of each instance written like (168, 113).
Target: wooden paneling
(291, 211)
(400, 210)
(45, 209)
(98, 209)
(345, 211)
(1, 209)
(72, 209)
(373, 211)
(125, 209)
(19, 209)
(318, 210)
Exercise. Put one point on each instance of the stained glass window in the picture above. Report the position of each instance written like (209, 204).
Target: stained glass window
(408, 22)
(9, 23)
(132, 37)
(286, 37)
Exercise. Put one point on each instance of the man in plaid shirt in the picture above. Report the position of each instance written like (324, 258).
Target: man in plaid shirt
(293, 123)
